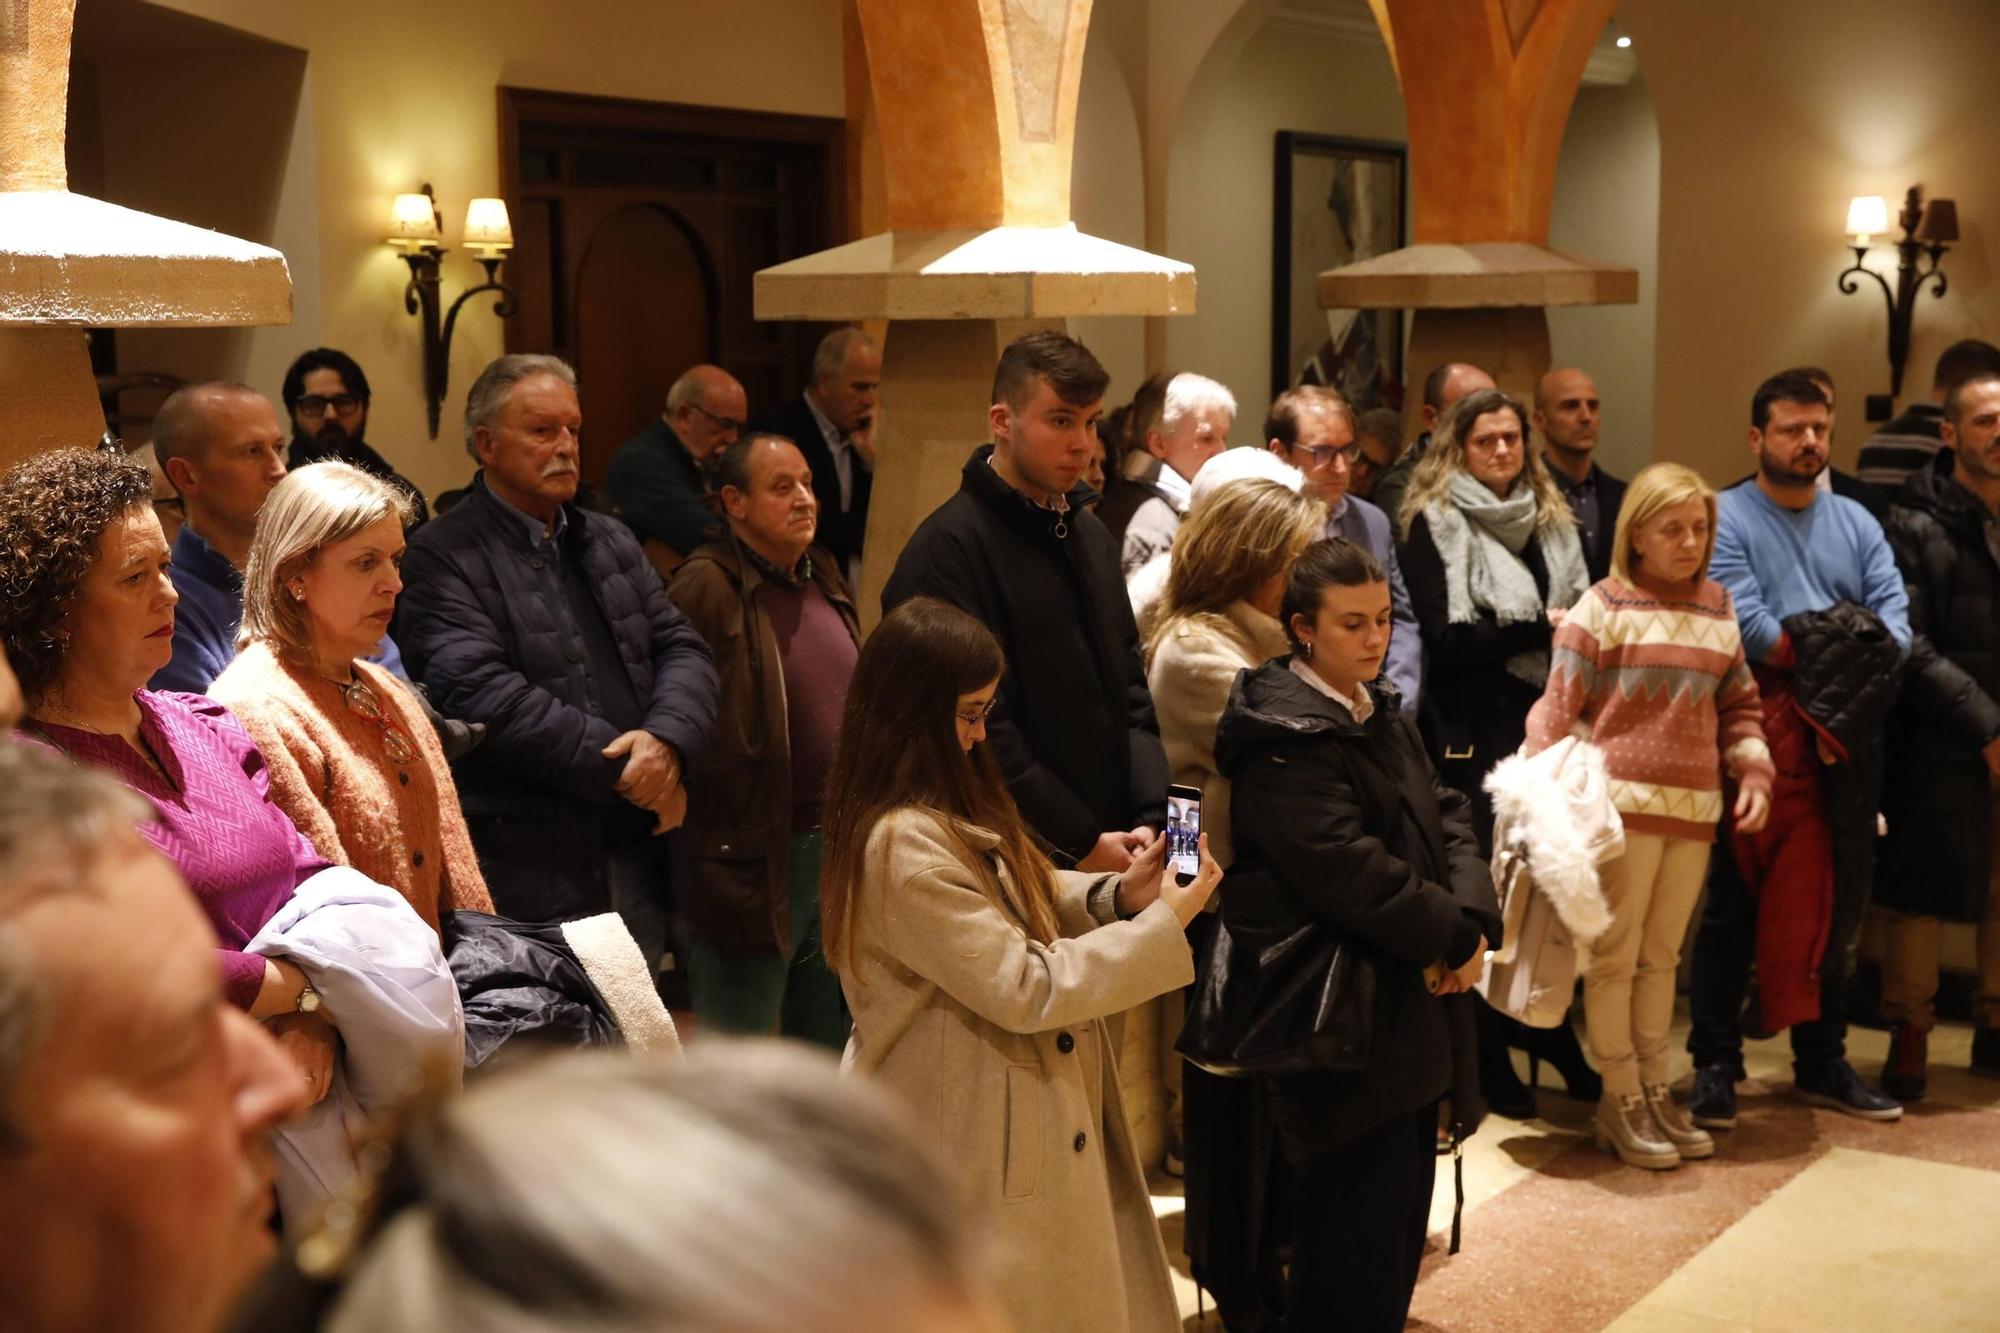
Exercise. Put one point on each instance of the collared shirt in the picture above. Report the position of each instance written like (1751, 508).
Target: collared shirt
(538, 531)
(797, 577)
(1360, 708)
(1583, 506)
(844, 453)
(1175, 489)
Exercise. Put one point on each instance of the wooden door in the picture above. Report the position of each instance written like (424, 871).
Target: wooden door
(638, 227)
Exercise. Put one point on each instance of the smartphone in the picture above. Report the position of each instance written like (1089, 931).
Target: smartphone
(1184, 832)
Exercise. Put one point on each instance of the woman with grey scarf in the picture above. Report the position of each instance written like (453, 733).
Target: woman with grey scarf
(1492, 560)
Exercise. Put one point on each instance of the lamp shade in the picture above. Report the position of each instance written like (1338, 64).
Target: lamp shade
(1940, 224)
(413, 220)
(487, 226)
(1867, 215)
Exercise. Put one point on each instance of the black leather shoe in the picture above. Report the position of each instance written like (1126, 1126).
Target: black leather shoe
(1986, 1052)
(1903, 1072)
(1712, 1104)
(1839, 1088)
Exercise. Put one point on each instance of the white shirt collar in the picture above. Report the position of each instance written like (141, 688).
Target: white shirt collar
(1175, 489)
(836, 439)
(1360, 708)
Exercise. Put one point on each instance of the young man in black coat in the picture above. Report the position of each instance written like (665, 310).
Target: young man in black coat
(1944, 739)
(1073, 729)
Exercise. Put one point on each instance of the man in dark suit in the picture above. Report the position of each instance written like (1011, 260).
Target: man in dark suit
(1567, 413)
(834, 423)
(658, 479)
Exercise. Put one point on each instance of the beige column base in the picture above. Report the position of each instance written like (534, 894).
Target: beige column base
(937, 382)
(50, 394)
(1511, 344)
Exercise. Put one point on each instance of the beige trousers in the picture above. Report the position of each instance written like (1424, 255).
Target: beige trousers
(1628, 974)
(1910, 962)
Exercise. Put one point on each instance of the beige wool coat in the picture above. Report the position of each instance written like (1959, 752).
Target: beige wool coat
(1189, 674)
(1000, 1045)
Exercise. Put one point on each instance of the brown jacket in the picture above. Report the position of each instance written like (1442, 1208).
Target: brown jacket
(1000, 1045)
(739, 820)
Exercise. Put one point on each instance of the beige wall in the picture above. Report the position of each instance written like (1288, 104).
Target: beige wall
(398, 94)
(1219, 187)
(1770, 117)
(1607, 206)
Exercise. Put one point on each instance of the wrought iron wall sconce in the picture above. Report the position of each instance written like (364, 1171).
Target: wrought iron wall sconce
(1928, 230)
(416, 230)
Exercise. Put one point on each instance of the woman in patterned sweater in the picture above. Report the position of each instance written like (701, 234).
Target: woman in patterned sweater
(1650, 662)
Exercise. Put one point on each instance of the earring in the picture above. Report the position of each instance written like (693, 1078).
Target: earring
(298, 592)
(1309, 649)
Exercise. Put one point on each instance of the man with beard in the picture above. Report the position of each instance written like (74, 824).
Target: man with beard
(544, 621)
(1566, 412)
(326, 396)
(1783, 548)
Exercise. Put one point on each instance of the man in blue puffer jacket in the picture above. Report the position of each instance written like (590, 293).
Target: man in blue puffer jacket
(544, 621)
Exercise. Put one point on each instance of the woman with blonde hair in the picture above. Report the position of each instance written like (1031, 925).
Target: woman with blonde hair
(1492, 559)
(353, 759)
(1658, 620)
(980, 976)
(1218, 618)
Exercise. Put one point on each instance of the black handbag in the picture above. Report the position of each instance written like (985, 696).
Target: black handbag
(1292, 1001)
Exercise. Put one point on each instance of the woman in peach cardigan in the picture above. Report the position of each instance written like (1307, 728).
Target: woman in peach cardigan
(353, 759)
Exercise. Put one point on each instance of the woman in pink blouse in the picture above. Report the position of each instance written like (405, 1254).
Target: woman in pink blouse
(86, 618)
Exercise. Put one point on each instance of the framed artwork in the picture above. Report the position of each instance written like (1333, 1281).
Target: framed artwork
(1337, 201)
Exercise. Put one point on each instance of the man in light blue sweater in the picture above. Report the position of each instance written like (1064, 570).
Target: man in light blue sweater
(1783, 547)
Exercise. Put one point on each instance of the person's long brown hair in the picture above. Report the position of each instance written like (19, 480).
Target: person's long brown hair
(899, 747)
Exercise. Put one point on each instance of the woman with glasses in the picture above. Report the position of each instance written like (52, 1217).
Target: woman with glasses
(352, 758)
(981, 976)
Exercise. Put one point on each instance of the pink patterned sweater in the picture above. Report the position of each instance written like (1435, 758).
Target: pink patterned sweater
(1658, 678)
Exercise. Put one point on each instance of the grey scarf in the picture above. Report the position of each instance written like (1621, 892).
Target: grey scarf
(1480, 538)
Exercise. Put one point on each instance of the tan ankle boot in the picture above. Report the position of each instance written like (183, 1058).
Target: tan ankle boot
(1688, 1139)
(1625, 1127)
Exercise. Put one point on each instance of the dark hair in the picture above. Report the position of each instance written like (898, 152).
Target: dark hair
(1068, 366)
(1817, 374)
(1966, 359)
(732, 465)
(322, 358)
(53, 509)
(1786, 387)
(1333, 562)
(1381, 423)
(1954, 398)
(1281, 423)
(898, 747)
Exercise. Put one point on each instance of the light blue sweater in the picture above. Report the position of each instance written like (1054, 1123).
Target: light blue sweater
(1777, 562)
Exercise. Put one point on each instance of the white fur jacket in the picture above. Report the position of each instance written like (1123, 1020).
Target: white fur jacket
(1555, 808)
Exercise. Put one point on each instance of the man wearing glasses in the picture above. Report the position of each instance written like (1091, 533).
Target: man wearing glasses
(659, 479)
(326, 396)
(1312, 428)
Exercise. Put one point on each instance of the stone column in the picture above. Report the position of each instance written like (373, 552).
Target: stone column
(69, 263)
(974, 104)
(1487, 88)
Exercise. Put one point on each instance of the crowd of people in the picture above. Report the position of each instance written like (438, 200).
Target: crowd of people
(272, 770)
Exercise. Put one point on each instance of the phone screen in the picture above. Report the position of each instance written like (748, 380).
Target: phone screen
(1184, 831)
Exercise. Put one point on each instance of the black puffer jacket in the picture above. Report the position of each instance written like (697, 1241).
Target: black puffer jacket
(1938, 797)
(486, 626)
(1348, 823)
(1849, 672)
(1074, 731)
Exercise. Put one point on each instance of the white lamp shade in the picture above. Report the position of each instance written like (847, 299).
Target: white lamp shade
(1867, 215)
(486, 224)
(413, 219)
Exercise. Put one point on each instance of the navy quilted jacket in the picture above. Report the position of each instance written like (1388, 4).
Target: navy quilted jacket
(486, 628)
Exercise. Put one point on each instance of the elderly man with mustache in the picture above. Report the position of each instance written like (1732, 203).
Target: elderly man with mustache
(544, 621)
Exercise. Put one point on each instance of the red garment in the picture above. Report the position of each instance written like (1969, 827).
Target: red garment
(1789, 865)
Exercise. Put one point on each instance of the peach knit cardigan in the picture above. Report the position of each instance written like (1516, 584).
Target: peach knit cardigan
(331, 772)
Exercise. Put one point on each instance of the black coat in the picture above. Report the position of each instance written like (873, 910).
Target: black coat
(1610, 495)
(485, 625)
(1348, 823)
(1938, 797)
(1474, 712)
(840, 530)
(1073, 730)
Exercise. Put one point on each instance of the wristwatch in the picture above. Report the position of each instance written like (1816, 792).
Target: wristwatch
(308, 1001)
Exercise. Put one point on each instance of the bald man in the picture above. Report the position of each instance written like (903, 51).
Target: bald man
(1566, 414)
(658, 479)
(1443, 387)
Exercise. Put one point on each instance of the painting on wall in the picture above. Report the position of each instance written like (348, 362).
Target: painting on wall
(1338, 201)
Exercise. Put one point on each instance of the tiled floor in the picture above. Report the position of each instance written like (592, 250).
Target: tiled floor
(1805, 1219)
